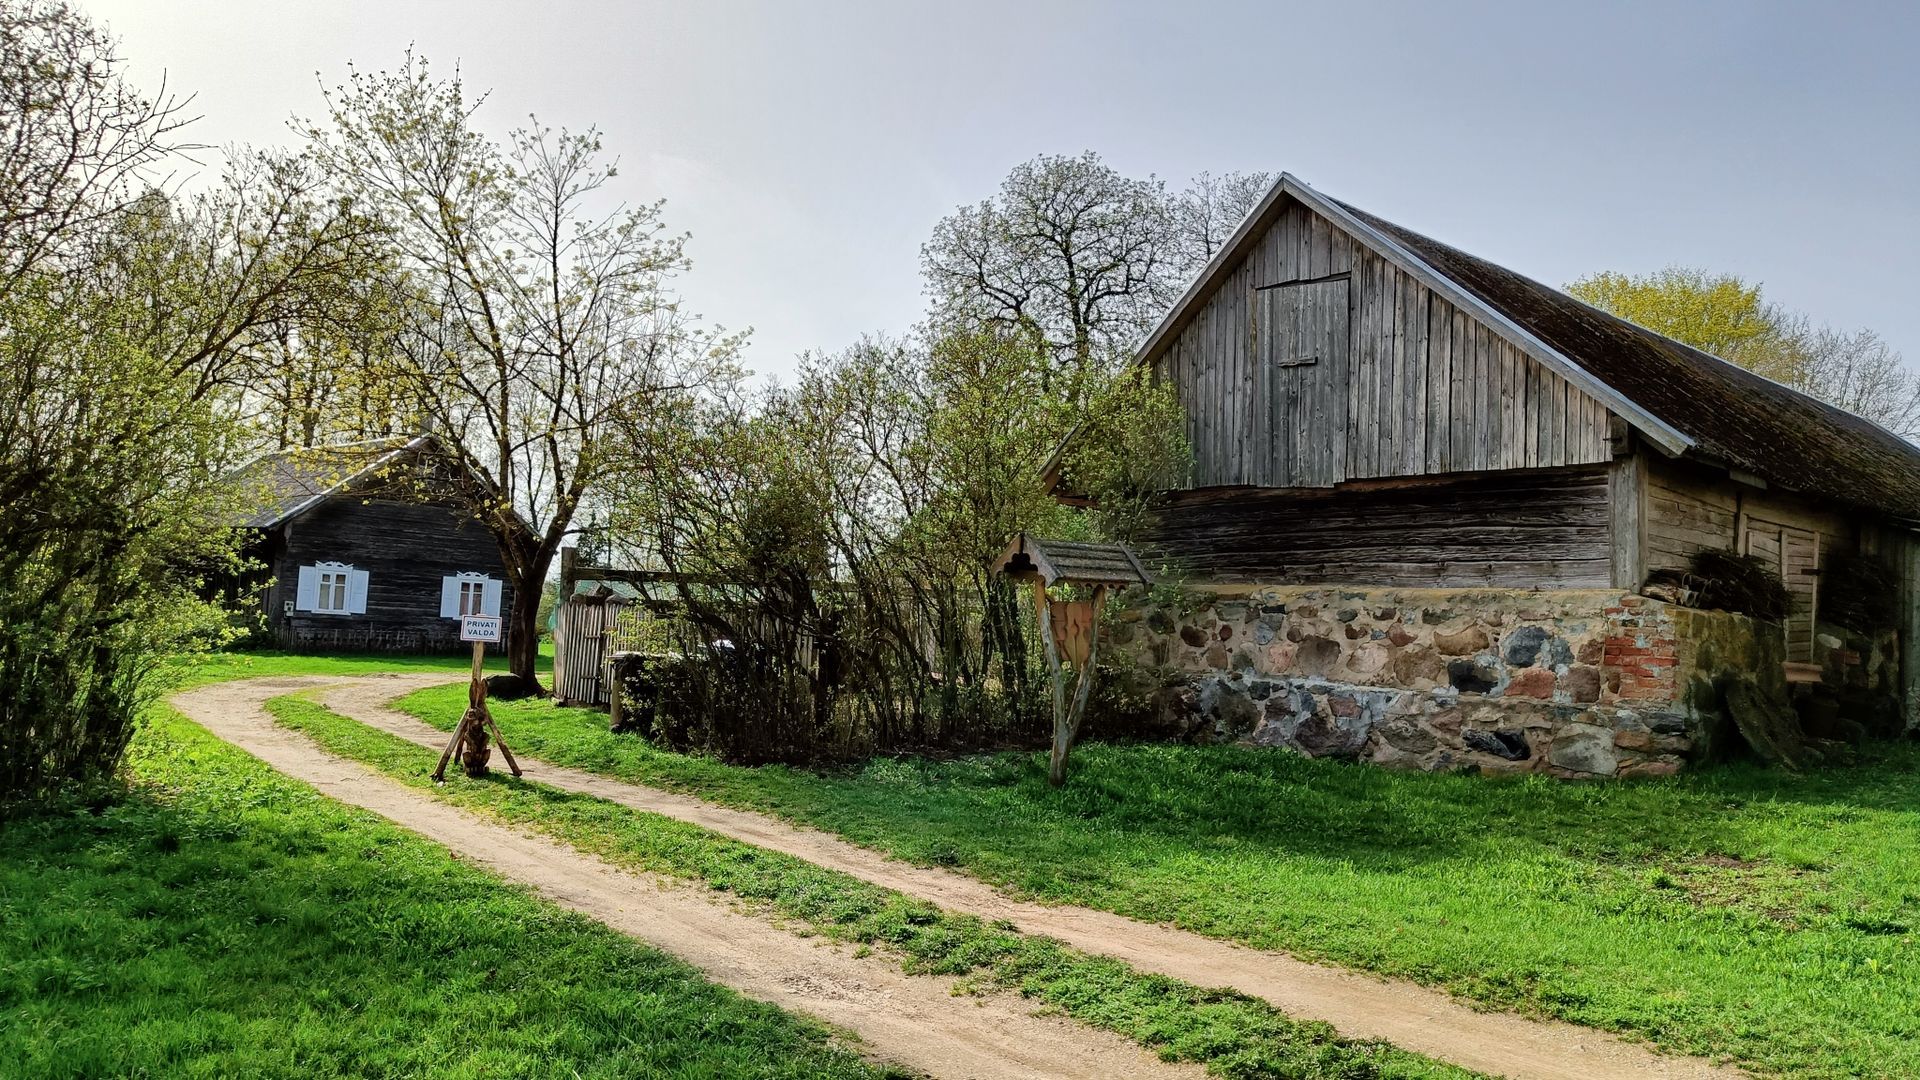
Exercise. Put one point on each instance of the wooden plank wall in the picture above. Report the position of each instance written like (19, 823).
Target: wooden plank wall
(1544, 528)
(406, 549)
(1689, 508)
(1430, 390)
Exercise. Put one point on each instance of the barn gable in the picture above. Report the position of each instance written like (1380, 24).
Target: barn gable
(1315, 359)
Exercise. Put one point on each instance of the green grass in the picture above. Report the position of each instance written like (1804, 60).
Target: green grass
(1734, 911)
(218, 920)
(202, 668)
(1233, 1035)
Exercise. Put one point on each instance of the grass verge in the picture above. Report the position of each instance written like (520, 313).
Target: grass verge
(1233, 1035)
(216, 919)
(1736, 911)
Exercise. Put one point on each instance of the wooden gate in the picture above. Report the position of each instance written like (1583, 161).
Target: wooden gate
(583, 634)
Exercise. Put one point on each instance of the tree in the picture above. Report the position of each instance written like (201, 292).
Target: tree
(76, 141)
(1079, 258)
(532, 318)
(1208, 212)
(1726, 316)
(127, 316)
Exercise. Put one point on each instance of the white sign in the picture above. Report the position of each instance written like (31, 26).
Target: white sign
(481, 628)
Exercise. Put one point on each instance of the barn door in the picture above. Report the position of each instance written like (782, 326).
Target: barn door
(1794, 554)
(1301, 336)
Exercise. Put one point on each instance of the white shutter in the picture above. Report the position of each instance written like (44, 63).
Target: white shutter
(450, 597)
(306, 595)
(490, 600)
(356, 592)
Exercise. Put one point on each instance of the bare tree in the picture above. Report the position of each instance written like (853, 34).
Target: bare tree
(1207, 213)
(1078, 258)
(1860, 373)
(535, 318)
(75, 138)
(1070, 253)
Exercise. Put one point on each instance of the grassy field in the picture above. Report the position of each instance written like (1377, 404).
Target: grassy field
(1736, 911)
(1233, 1035)
(216, 920)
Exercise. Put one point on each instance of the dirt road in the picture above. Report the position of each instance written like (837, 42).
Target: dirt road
(1360, 1006)
(914, 1021)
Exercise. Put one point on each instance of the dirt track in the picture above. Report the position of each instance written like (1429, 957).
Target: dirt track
(1410, 1016)
(914, 1021)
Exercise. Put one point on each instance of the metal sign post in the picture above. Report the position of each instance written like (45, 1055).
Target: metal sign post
(476, 722)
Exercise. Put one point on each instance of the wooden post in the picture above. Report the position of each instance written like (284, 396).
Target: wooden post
(613, 695)
(474, 726)
(1067, 718)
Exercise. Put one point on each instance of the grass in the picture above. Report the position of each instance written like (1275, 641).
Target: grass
(218, 920)
(1736, 911)
(201, 668)
(1235, 1036)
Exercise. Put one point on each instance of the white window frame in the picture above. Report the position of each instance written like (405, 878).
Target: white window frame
(469, 593)
(331, 588)
(335, 584)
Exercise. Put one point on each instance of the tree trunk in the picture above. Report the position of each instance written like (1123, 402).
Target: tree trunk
(523, 630)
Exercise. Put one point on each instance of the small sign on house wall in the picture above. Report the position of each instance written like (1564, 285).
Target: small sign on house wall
(483, 628)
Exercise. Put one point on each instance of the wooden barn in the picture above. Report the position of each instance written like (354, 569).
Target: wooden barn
(352, 557)
(1425, 485)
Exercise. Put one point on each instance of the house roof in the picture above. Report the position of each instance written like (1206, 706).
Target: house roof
(286, 483)
(1682, 400)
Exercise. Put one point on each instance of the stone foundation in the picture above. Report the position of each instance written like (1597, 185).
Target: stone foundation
(1572, 683)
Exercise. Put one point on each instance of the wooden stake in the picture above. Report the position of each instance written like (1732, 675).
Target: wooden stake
(475, 716)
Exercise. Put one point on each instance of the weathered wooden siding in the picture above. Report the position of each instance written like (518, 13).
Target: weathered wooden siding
(406, 549)
(1428, 390)
(1545, 528)
(1689, 508)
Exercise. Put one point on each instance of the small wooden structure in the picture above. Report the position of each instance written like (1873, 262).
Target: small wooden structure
(1069, 629)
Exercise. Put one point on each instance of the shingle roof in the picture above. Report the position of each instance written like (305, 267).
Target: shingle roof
(281, 485)
(1734, 417)
(1071, 561)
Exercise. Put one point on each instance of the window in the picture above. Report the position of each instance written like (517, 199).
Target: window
(469, 594)
(333, 592)
(331, 588)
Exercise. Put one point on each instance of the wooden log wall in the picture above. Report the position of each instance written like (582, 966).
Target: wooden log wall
(1543, 528)
(406, 549)
(1426, 388)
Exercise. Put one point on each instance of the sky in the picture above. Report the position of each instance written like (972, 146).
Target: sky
(809, 148)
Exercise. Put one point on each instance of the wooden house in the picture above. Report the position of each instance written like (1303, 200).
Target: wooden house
(353, 556)
(1372, 411)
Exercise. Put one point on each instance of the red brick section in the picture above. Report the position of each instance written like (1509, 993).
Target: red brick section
(1641, 654)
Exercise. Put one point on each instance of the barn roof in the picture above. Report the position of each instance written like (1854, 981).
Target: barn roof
(286, 483)
(1681, 399)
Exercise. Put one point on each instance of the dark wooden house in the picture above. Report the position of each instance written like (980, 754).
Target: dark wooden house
(354, 557)
(1370, 409)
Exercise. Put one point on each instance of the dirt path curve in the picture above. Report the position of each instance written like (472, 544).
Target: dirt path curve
(914, 1021)
(1361, 1006)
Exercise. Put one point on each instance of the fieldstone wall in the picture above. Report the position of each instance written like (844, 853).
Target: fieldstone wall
(1575, 683)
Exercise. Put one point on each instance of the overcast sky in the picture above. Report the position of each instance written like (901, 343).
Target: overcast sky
(810, 147)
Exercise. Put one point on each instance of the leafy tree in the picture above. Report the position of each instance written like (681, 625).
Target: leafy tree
(127, 316)
(1725, 315)
(895, 471)
(533, 318)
